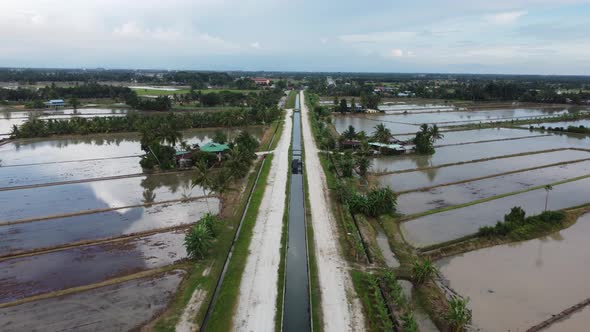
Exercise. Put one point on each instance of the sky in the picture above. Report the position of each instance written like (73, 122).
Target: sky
(442, 36)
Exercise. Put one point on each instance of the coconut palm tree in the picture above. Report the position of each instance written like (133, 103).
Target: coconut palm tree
(198, 241)
(382, 134)
(363, 164)
(203, 179)
(349, 133)
(548, 188)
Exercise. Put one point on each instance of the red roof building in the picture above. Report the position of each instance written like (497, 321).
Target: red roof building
(261, 80)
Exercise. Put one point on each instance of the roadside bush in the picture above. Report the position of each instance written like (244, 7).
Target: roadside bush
(422, 271)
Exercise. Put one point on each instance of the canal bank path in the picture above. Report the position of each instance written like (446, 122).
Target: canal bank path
(341, 308)
(258, 289)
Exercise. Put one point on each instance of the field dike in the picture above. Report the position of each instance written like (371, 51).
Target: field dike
(493, 176)
(408, 170)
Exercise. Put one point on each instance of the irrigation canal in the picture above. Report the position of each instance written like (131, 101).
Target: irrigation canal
(296, 310)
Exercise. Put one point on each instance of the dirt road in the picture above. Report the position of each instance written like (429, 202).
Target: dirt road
(258, 288)
(341, 309)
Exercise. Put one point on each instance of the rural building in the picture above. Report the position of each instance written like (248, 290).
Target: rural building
(55, 103)
(261, 80)
(388, 148)
(216, 148)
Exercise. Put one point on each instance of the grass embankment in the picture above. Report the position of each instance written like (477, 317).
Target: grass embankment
(283, 252)
(290, 102)
(314, 278)
(228, 294)
(204, 274)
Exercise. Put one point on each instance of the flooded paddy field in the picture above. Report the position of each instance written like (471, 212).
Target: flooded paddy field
(77, 197)
(121, 307)
(404, 123)
(89, 227)
(564, 124)
(64, 111)
(32, 275)
(457, 223)
(440, 197)
(400, 108)
(59, 172)
(59, 149)
(437, 176)
(525, 283)
(477, 135)
(469, 152)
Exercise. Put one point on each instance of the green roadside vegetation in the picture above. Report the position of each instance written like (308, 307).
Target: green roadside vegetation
(314, 282)
(203, 275)
(290, 103)
(228, 294)
(283, 252)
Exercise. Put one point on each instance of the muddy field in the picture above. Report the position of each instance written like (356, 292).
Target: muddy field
(524, 282)
(32, 275)
(120, 307)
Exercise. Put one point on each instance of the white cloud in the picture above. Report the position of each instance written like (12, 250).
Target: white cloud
(324, 40)
(378, 37)
(396, 52)
(255, 45)
(505, 18)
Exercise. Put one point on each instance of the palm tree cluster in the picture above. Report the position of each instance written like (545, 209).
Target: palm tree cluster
(376, 202)
(426, 137)
(235, 165)
(154, 137)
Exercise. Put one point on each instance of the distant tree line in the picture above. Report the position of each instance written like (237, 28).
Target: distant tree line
(92, 90)
(538, 89)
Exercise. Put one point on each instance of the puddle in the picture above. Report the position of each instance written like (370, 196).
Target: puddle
(524, 283)
(388, 255)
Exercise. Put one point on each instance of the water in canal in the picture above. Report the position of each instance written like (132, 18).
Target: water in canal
(296, 312)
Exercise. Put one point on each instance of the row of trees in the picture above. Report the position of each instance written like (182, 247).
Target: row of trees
(136, 122)
(91, 90)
